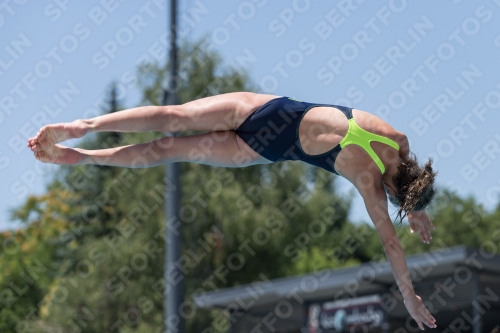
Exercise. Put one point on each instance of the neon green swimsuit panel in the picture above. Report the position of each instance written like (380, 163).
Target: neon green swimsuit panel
(358, 136)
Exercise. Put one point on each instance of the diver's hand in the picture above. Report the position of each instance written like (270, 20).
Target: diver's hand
(418, 312)
(420, 222)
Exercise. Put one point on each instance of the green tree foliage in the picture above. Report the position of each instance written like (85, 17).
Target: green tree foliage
(458, 221)
(30, 258)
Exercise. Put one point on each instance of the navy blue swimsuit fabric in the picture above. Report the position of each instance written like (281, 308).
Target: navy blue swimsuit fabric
(273, 132)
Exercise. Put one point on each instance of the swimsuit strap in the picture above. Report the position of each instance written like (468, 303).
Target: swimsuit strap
(345, 110)
(358, 136)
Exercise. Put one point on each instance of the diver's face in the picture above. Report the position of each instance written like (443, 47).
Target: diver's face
(388, 190)
(391, 194)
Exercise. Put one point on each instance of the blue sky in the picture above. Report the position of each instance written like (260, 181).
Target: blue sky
(428, 68)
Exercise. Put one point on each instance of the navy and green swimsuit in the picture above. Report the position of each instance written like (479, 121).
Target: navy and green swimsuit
(273, 132)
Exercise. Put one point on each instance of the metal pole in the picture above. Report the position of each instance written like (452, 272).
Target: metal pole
(174, 286)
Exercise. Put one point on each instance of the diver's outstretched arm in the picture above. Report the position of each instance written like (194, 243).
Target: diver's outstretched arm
(376, 204)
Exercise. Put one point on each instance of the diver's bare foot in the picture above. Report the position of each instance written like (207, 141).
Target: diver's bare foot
(59, 154)
(52, 134)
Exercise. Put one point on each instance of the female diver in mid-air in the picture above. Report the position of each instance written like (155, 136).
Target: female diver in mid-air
(247, 129)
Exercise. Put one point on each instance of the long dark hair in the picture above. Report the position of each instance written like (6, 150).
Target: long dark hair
(415, 186)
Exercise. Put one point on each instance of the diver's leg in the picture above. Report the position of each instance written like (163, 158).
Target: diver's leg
(215, 113)
(220, 148)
